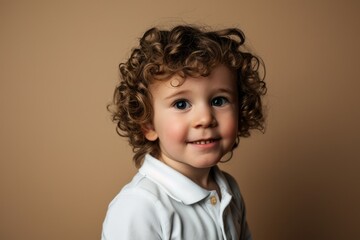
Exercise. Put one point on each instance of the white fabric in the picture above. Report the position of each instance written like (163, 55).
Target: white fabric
(161, 203)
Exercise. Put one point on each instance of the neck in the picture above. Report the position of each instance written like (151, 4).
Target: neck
(201, 176)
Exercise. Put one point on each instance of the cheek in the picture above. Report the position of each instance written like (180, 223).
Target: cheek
(231, 129)
(172, 130)
(230, 126)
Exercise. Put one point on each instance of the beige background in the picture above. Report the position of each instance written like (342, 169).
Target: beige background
(61, 161)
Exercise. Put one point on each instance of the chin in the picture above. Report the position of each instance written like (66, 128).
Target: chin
(207, 163)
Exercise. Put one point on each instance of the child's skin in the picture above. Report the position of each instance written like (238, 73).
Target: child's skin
(196, 122)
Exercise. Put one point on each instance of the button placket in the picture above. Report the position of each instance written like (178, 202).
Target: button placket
(212, 204)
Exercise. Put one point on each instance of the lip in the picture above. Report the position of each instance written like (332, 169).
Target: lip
(204, 143)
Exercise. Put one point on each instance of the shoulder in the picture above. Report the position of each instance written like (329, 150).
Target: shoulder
(141, 186)
(137, 206)
(139, 193)
(231, 181)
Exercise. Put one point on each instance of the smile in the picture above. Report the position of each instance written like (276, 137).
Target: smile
(203, 142)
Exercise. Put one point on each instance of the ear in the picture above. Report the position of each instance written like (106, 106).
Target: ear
(149, 132)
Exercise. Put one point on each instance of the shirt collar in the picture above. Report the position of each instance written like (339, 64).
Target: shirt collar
(176, 185)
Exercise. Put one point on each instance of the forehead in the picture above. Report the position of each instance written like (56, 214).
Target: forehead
(221, 77)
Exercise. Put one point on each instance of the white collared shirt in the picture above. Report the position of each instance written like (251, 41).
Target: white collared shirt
(161, 203)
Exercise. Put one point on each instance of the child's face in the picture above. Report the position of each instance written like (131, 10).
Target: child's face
(196, 122)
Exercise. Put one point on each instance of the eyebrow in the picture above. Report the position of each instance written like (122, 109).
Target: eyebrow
(228, 90)
(182, 92)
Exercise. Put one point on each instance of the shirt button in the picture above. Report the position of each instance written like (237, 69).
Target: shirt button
(213, 200)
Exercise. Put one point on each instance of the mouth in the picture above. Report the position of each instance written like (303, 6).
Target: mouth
(204, 141)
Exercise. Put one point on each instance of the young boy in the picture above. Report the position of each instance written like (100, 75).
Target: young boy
(185, 97)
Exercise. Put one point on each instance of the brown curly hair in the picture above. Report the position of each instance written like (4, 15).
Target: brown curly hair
(188, 51)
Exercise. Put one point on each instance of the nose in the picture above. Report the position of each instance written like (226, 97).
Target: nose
(204, 117)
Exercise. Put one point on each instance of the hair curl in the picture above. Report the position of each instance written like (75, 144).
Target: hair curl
(188, 51)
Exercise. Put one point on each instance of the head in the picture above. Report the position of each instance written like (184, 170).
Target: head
(180, 53)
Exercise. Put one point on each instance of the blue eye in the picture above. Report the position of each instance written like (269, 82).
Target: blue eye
(181, 104)
(219, 101)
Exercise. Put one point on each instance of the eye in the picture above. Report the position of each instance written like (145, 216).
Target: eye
(181, 104)
(219, 101)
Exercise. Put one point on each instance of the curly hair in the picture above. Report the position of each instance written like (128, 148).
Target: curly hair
(188, 51)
